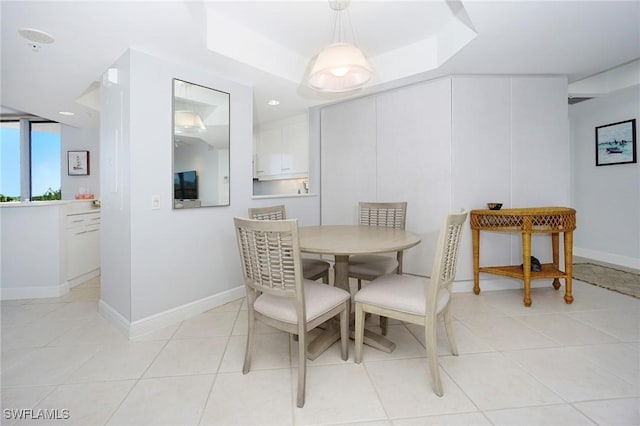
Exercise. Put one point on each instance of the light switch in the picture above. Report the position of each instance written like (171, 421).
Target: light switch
(155, 202)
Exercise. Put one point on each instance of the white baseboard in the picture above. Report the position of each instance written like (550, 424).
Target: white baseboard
(495, 284)
(83, 278)
(14, 293)
(114, 317)
(613, 259)
(490, 282)
(172, 316)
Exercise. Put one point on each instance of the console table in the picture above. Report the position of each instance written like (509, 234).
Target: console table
(527, 221)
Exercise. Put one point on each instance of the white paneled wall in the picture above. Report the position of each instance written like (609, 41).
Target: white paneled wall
(414, 161)
(481, 139)
(447, 144)
(347, 160)
(540, 160)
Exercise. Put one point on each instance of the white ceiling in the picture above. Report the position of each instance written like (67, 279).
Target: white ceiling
(261, 38)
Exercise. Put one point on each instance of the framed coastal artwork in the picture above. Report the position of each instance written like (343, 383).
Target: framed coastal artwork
(78, 163)
(616, 143)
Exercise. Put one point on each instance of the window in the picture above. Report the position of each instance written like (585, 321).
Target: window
(10, 161)
(40, 157)
(45, 161)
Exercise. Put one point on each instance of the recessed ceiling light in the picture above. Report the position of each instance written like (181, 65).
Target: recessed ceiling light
(273, 102)
(36, 36)
(67, 113)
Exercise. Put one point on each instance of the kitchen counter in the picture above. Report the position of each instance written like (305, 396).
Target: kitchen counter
(72, 205)
(263, 197)
(35, 245)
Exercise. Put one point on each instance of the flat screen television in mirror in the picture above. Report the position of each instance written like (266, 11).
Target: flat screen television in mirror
(185, 185)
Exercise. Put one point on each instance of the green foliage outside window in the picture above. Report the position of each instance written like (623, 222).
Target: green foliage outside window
(5, 198)
(49, 195)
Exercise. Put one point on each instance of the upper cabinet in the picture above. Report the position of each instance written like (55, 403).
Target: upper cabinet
(282, 149)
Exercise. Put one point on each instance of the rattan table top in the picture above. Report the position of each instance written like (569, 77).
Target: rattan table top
(529, 219)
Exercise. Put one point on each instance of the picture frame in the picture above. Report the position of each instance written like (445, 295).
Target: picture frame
(616, 143)
(78, 163)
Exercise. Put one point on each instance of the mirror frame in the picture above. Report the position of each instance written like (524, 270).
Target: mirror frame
(192, 138)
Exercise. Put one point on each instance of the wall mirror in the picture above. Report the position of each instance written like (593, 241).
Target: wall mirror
(200, 146)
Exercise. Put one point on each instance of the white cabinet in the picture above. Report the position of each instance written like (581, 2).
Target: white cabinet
(295, 148)
(282, 150)
(269, 153)
(83, 243)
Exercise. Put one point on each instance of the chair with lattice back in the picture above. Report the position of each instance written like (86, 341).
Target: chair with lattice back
(313, 268)
(368, 267)
(277, 293)
(417, 300)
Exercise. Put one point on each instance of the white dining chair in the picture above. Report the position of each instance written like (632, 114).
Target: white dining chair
(279, 296)
(367, 267)
(313, 268)
(417, 300)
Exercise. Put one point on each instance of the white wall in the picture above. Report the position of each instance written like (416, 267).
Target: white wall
(115, 214)
(348, 159)
(175, 257)
(447, 144)
(158, 262)
(80, 139)
(607, 198)
(511, 145)
(32, 266)
(414, 161)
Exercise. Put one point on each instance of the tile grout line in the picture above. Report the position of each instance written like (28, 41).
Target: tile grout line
(217, 373)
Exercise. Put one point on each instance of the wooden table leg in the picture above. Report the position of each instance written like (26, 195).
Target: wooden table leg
(475, 235)
(555, 237)
(323, 341)
(332, 333)
(526, 267)
(341, 268)
(376, 340)
(568, 265)
(399, 257)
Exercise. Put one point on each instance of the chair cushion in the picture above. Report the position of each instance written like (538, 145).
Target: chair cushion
(313, 267)
(319, 299)
(404, 293)
(373, 265)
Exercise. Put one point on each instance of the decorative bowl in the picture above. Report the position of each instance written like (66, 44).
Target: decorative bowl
(494, 206)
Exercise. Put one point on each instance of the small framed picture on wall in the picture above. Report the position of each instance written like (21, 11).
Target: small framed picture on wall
(78, 163)
(616, 143)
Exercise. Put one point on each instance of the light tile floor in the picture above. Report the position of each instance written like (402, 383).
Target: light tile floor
(551, 364)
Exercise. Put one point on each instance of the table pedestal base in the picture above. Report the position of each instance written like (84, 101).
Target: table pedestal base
(332, 334)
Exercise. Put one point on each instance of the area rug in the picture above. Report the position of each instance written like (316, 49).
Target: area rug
(613, 279)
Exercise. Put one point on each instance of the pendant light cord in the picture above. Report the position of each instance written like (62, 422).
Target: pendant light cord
(339, 27)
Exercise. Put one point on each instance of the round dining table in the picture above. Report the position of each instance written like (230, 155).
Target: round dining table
(342, 241)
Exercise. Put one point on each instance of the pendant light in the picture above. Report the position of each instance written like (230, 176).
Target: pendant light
(189, 122)
(341, 66)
